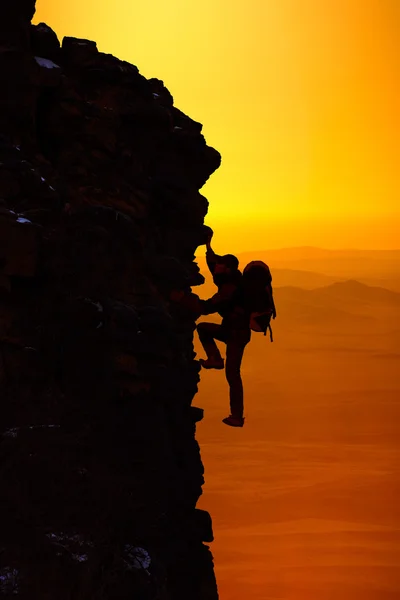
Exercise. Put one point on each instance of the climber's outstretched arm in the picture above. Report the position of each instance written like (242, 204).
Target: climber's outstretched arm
(211, 259)
(220, 301)
(187, 301)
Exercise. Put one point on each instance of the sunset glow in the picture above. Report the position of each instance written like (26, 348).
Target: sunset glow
(299, 96)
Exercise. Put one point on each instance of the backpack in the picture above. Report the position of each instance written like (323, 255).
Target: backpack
(257, 296)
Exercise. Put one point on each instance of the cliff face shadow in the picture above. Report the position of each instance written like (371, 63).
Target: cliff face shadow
(100, 216)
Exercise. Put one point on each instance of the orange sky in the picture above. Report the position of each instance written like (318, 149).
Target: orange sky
(300, 97)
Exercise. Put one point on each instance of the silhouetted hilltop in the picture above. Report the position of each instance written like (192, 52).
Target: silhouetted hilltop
(311, 252)
(303, 279)
(340, 264)
(316, 267)
(344, 294)
(284, 277)
(355, 291)
(100, 216)
(349, 303)
(301, 307)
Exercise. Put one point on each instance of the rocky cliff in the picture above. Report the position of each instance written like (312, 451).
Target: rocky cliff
(100, 216)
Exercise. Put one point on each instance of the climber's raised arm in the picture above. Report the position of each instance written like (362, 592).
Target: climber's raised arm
(211, 257)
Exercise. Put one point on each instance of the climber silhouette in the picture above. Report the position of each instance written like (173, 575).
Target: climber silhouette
(245, 303)
(234, 329)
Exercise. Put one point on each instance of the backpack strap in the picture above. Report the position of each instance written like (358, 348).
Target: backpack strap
(270, 332)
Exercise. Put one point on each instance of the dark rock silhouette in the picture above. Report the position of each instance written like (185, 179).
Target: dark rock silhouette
(100, 216)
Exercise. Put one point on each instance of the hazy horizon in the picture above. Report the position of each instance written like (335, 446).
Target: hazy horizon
(306, 247)
(303, 498)
(310, 266)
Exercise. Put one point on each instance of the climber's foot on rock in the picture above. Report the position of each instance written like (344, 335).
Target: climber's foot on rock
(212, 363)
(234, 421)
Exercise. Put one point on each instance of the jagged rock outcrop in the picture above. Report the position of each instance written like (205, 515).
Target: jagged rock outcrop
(100, 216)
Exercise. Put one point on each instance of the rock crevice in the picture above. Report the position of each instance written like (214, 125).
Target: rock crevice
(100, 217)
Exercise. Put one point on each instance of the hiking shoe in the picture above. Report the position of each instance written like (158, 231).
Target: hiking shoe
(234, 421)
(210, 363)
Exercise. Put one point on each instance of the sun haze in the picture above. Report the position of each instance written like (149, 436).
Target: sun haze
(299, 96)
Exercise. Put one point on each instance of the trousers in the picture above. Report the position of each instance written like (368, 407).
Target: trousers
(236, 341)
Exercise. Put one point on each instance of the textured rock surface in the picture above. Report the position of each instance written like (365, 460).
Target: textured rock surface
(100, 216)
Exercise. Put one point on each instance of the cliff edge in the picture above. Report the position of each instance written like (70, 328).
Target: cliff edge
(100, 216)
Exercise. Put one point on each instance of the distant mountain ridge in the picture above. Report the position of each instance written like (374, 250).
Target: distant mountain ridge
(284, 277)
(341, 302)
(308, 266)
(309, 299)
(311, 252)
(299, 252)
(353, 290)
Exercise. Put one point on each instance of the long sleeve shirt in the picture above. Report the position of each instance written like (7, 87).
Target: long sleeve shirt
(226, 302)
(221, 301)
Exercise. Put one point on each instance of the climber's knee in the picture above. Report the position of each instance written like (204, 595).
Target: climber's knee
(209, 329)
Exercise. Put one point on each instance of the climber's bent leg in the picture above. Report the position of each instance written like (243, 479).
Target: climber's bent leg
(208, 333)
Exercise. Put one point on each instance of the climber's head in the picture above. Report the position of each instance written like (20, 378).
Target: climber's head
(227, 264)
(231, 262)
